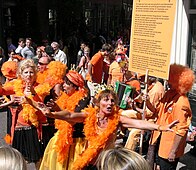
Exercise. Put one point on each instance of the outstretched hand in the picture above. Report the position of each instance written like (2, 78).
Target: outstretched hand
(169, 126)
(44, 109)
(52, 105)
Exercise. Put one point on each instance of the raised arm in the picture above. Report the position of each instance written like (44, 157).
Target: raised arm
(63, 115)
(145, 125)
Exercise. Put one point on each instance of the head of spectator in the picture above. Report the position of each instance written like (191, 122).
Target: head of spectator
(49, 52)
(11, 159)
(82, 45)
(43, 63)
(121, 58)
(121, 158)
(40, 51)
(21, 42)
(106, 49)
(86, 51)
(9, 41)
(55, 46)
(11, 53)
(28, 42)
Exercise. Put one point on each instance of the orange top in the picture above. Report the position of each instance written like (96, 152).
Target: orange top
(97, 67)
(134, 83)
(156, 93)
(9, 89)
(172, 107)
(115, 71)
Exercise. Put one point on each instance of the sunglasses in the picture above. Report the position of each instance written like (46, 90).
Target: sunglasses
(42, 63)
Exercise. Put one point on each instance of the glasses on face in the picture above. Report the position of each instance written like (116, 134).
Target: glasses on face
(42, 63)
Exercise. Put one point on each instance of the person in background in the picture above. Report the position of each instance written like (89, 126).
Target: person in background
(108, 60)
(59, 55)
(2, 60)
(83, 64)
(42, 65)
(10, 46)
(21, 44)
(49, 51)
(95, 68)
(11, 54)
(39, 53)
(80, 53)
(118, 68)
(121, 158)
(11, 159)
(28, 51)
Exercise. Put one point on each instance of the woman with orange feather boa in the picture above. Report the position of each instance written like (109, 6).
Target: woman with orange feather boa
(27, 131)
(69, 140)
(100, 126)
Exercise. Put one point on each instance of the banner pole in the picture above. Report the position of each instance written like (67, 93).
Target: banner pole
(143, 112)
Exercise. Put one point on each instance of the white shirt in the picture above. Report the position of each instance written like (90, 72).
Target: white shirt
(60, 56)
(18, 50)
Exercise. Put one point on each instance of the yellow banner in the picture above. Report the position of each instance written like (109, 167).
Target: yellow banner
(151, 36)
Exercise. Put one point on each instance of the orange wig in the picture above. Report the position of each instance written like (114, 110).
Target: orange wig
(181, 78)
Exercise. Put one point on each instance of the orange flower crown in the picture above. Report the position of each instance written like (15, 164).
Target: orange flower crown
(181, 78)
(101, 87)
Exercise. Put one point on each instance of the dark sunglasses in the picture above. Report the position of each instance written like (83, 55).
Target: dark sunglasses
(42, 63)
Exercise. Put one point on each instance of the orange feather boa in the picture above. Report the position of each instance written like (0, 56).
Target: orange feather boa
(96, 141)
(29, 113)
(65, 129)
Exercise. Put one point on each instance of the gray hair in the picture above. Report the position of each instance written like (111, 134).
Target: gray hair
(11, 159)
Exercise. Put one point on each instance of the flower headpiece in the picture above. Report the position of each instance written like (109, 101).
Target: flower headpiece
(100, 87)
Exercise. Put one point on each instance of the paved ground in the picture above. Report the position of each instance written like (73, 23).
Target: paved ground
(187, 162)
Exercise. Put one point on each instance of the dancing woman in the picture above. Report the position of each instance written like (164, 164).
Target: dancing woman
(101, 124)
(27, 129)
(69, 140)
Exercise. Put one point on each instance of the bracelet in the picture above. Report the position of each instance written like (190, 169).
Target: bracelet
(159, 129)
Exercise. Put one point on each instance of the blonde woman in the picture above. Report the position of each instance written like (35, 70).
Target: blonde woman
(27, 127)
(121, 158)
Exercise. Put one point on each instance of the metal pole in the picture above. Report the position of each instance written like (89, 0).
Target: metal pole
(143, 112)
